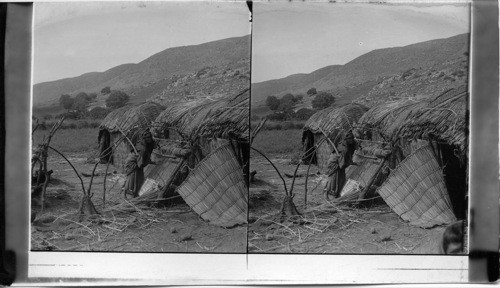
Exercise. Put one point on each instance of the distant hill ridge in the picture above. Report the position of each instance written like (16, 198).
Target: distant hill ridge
(367, 67)
(160, 69)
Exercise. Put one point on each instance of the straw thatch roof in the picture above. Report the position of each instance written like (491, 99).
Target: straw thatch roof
(331, 118)
(131, 117)
(224, 117)
(442, 118)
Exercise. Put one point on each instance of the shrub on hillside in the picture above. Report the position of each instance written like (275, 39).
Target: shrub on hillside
(117, 99)
(272, 102)
(322, 100)
(66, 101)
(82, 101)
(311, 91)
(288, 98)
(287, 104)
(106, 90)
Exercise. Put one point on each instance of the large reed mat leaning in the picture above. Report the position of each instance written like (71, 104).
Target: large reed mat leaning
(416, 191)
(216, 190)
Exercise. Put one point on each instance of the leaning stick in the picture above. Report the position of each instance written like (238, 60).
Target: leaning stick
(44, 155)
(315, 148)
(310, 150)
(329, 140)
(74, 169)
(257, 129)
(275, 168)
(365, 190)
(294, 176)
(104, 186)
(128, 139)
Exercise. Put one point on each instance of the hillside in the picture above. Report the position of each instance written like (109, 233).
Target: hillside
(365, 72)
(162, 73)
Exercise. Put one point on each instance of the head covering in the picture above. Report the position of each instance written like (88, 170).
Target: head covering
(147, 137)
(146, 133)
(349, 135)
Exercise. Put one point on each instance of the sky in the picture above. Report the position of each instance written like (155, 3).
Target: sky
(297, 37)
(73, 38)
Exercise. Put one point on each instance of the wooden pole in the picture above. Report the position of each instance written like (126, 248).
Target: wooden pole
(329, 140)
(363, 192)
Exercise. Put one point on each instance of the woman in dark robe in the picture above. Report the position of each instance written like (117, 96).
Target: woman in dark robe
(135, 164)
(337, 164)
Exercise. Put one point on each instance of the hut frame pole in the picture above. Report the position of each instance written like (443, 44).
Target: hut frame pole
(308, 168)
(128, 139)
(275, 168)
(257, 130)
(159, 195)
(329, 140)
(365, 190)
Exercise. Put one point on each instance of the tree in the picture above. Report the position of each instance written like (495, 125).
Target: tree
(322, 100)
(106, 90)
(82, 100)
(287, 103)
(82, 96)
(80, 104)
(92, 96)
(311, 91)
(272, 102)
(289, 98)
(117, 99)
(66, 101)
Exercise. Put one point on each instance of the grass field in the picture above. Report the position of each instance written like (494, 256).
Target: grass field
(283, 142)
(280, 125)
(70, 140)
(69, 124)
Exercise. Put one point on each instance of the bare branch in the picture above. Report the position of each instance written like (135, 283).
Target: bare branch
(275, 168)
(257, 130)
(74, 169)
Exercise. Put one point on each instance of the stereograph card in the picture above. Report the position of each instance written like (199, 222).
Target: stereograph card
(250, 143)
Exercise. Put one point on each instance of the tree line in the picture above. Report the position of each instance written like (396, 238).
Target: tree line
(283, 108)
(76, 107)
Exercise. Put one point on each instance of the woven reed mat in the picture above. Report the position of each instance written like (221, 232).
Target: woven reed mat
(416, 191)
(215, 189)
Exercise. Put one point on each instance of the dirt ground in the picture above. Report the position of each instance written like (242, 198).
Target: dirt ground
(325, 228)
(175, 228)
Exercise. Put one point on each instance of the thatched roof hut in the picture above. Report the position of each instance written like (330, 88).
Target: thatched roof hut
(129, 120)
(203, 154)
(439, 123)
(335, 122)
(225, 117)
(441, 118)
